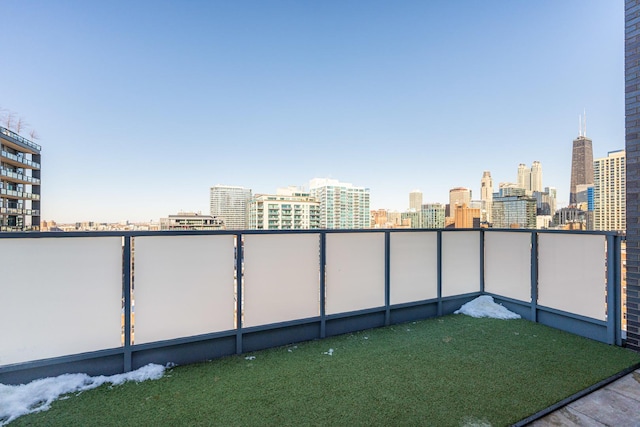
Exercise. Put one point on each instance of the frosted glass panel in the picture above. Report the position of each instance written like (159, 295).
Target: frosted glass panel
(281, 278)
(571, 273)
(414, 266)
(460, 262)
(507, 264)
(60, 296)
(184, 286)
(355, 271)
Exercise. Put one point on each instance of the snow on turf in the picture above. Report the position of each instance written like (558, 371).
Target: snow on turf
(484, 306)
(18, 400)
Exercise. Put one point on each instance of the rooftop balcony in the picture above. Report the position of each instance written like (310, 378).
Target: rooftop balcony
(200, 295)
(19, 142)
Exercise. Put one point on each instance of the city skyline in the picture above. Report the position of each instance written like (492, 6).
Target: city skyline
(140, 114)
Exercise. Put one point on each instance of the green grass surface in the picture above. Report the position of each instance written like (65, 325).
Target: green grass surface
(450, 371)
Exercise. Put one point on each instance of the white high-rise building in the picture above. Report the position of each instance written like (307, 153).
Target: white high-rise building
(536, 177)
(524, 177)
(530, 178)
(230, 204)
(342, 205)
(290, 208)
(486, 197)
(609, 192)
(415, 200)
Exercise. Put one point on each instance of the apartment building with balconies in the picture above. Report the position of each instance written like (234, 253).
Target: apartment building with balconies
(19, 182)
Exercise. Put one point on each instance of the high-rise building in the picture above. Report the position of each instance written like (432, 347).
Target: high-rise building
(536, 176)
(459, 196)
(289, 209)
(486, 196)
(581, 162)
(20, 161)
(415, 200)
(553, 199)
(433, 215)
(412, 218)
(230, 204)
(524, 177)
(190, 221)
(512, 208)
(342, 205)
(530, 178)
(467, 217)
(609, 192)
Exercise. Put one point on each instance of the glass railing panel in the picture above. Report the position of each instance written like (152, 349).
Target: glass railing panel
(414, 266)
(354, 271)
(69, 304)
(281, 278)
(572, 274)
(507, 264)
(460, 262)
(183, 286)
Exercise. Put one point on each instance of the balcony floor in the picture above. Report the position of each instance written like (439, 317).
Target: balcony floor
(614, 405)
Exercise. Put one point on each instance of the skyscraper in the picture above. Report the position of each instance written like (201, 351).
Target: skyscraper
(342, 205)
(486, 196)
(524, 176)
(536, 176)
(230, 203)
(530, 178)
(289, 209)
(581, 162)
(415, 200)
(459, 196)
(609, 192)
(19, 183)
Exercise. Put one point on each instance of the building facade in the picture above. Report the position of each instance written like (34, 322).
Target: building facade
(632, 148)
(230, 204)
(342, 205)
(581, 165)
(286, 210)
(190, 221)
(415, 200)
(433, 215)
(609, 192)
(486, 197)
(512, 208)
(20, 201)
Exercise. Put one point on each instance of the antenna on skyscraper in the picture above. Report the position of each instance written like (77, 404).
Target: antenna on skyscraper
(579, 125)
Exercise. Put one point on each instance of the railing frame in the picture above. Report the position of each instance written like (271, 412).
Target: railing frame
(241, 340)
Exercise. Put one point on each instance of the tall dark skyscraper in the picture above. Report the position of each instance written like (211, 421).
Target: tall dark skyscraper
(581, 162)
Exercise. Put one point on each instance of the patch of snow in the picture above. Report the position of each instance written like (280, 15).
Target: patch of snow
(484, 306)
(19, 400)
(330, 352)
(250, 358)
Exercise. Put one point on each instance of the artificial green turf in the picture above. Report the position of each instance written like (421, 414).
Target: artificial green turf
(449, 371)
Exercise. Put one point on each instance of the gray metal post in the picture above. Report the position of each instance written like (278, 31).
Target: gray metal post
(387, 278)
(611, 289)
(126, 292)
(439, 272)
(239, 262)
(534, 276)
(482, 234)
(323, 293)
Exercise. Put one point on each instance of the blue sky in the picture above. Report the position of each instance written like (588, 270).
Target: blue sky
(141, 106)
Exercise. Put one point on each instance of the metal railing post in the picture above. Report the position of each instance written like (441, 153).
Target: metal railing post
(387, 278)
(126, 293)
(439, 312)
(534, 276)
(239, 262)
(323, 293)
(611, 288)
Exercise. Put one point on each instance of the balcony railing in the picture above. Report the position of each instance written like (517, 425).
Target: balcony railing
(19, 176)
(205, 294)
(20, 159)
(20, 139)
(19, 194)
